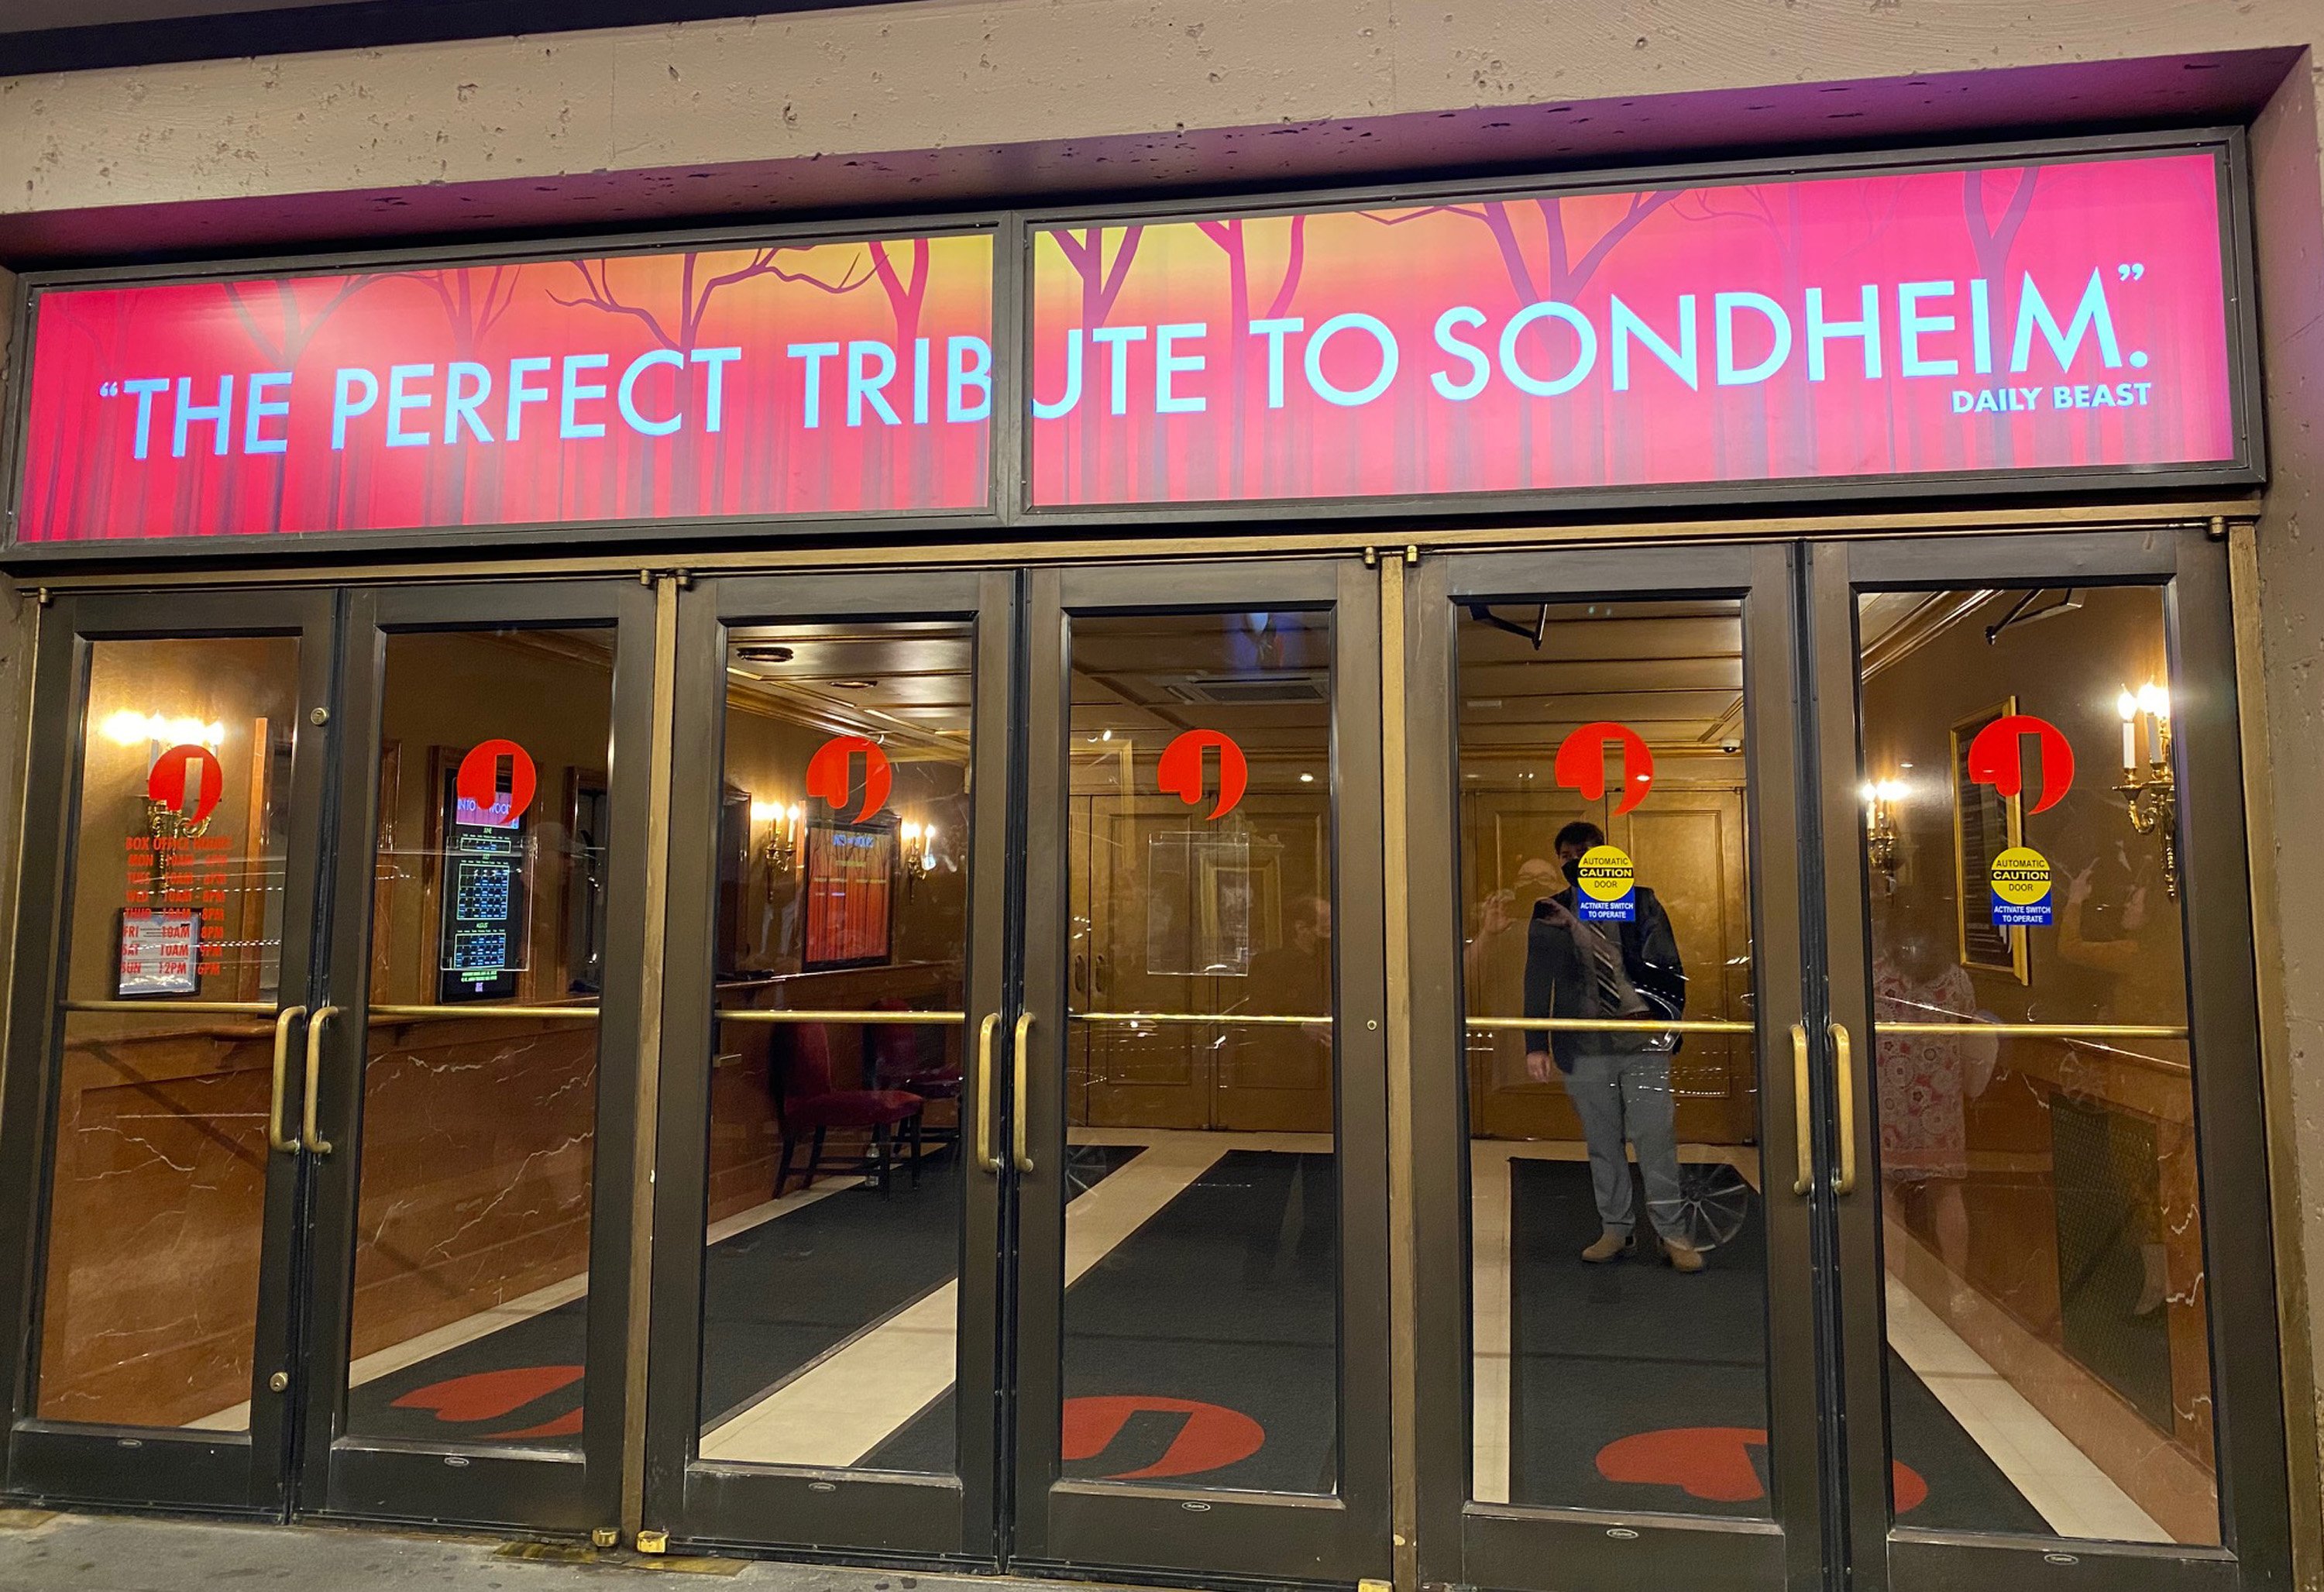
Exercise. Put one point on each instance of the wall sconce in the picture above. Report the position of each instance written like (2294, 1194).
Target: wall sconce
(2153, 797)
(1880, 801)
(780, 852)
(159, 734)
(919, 852)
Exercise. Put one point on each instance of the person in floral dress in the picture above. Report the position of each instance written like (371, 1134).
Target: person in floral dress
(1925, 1080)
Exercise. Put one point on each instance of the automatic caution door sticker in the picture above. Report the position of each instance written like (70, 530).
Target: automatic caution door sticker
(2021, 888)
(1609, 884)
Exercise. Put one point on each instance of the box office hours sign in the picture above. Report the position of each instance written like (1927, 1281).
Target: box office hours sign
(2068, 315)
(826, 378)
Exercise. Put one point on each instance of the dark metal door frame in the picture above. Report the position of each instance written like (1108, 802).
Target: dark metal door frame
(882, 1515)
(498, 1484)
(149, 1466)
(2222, 1022)
(1210, 1533)
(1540, 1550)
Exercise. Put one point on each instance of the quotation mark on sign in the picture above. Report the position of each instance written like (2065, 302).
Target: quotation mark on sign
(109, 389)
(2129, 273)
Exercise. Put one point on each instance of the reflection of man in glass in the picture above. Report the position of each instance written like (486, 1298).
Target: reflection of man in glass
(1925, 1078)
(1619, 1082)
(1293, 979)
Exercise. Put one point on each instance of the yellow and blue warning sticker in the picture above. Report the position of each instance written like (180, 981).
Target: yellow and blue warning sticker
(2021, 889)
(1609, 884)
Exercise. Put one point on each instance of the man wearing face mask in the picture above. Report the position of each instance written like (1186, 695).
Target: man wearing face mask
(1619, 1081)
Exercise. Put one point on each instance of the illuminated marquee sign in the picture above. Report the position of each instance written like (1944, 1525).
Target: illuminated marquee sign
(2060, 316)
(829, 378)
(1868, 325)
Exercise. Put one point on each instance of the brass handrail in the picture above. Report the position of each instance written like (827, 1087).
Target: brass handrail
(1613, 1025)
(248, 1008)
(575, 1012)
(770, 1015)
(2039, 1030)
(1262, 1018)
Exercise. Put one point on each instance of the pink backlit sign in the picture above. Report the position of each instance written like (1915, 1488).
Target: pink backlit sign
(2066, 315)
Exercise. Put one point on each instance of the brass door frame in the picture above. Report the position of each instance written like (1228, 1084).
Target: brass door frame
(500, 1484)
(1508, 1545)
(181, 1467)
(2190, 571)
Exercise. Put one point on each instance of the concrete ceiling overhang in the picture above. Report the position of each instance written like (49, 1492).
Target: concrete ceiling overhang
(823, 172)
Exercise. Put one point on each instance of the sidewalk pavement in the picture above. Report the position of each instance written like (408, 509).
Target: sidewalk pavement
(42, 1552)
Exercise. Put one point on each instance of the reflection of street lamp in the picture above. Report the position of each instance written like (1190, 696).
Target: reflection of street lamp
(2153, 797)
(1880, 801)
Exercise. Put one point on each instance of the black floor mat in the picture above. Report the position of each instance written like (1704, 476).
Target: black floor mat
(1204, 1350)
(1636, 1388)
(774, 1298)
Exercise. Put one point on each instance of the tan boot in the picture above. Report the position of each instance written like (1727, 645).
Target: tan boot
(1610, 1245)
(1683, 1255)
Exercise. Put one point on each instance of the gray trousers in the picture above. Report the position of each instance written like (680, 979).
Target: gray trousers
(1628, 1096)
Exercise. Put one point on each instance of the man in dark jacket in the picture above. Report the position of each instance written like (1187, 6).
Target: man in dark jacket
(1618, 1081)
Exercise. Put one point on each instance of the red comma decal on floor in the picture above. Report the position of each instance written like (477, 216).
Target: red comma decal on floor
(830, 773)
(1581, 763)
(1715, 1463)
(1212, 1437)
(1997, 758)
(487, 1395)
(187, 781)
(1180, 772)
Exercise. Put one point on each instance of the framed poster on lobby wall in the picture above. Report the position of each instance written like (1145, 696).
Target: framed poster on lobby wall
(1986, 823)
(849, 891)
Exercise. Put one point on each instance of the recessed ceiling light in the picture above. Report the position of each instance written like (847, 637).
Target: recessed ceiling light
(852, 685)
(763, 652)
(1306, 780)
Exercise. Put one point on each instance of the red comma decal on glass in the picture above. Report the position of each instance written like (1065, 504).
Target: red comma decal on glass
(1996, 758)
(829, 773)
(187, 781)
(1581, 763)
(477, 786)
(1180, 772)
(1715, 1463)
(1210, 1438)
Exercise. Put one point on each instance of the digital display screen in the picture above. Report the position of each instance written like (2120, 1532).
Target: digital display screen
(485, 913)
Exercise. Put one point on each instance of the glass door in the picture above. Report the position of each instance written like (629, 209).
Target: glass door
(1198, 1130)
(471, 1066)
(2046, 1165)
(828, 1233)
(167, 959)
(1619, 1382)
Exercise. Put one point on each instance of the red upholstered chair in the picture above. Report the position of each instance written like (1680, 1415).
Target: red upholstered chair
(808, 1103)
(901, 1060)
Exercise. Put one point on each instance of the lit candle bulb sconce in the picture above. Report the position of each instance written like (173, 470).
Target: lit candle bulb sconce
(2153, 796)
(1880, 840)
(780, 852)
(919, 852)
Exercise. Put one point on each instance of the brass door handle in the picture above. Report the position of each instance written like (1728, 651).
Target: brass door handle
(315, 1142)
(275, 1140)
(1844, 1065)
(1019, 1106)
(1801, 1125)
(986, 1160)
